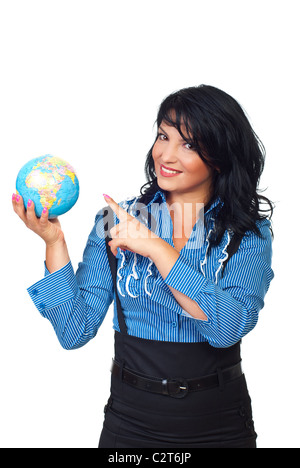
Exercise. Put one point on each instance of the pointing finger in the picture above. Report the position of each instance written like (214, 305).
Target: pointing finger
(121, 214)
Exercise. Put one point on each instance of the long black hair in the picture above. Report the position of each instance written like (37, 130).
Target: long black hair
(220, 132)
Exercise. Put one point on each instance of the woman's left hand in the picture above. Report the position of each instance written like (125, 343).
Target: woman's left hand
(131, 234)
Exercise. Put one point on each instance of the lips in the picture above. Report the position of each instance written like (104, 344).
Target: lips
(168, 171)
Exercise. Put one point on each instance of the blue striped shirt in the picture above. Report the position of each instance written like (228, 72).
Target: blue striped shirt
(76, 304)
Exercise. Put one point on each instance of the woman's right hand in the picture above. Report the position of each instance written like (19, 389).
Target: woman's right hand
(49, 230)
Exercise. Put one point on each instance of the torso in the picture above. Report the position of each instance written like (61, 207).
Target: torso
(180, 234)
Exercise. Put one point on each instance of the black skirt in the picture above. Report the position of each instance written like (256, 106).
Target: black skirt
(217, 417)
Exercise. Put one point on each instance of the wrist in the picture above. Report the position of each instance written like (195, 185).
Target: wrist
(57, 243)
(57, 255)
(164, 256)
(157, 246)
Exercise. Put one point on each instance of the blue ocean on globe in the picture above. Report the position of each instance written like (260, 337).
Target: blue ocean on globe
(49, 182)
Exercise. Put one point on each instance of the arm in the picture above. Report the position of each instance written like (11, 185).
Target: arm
(57, 256)
(130, 234)
(50, 231)
(232, 306)
(165, 257)
(75, 305)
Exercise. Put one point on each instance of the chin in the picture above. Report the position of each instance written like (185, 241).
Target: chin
(164, 184)
(169, 186)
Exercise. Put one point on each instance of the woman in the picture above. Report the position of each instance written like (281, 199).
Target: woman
(191, 265)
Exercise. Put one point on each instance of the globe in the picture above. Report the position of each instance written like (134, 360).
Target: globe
(49, 182)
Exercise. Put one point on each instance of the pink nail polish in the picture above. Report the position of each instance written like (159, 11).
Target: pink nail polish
(45, 210)
(13, 196)
(29, 203)
(106, 196)
(18, 198)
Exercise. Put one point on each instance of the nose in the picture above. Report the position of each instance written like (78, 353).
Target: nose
(169, 154)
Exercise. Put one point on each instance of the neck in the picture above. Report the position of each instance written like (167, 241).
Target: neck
(184, 211)
(182, 200)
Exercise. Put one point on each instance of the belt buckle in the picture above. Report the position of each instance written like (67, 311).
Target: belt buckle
(181, 391)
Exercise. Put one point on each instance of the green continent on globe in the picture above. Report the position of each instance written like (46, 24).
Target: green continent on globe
(47, 177)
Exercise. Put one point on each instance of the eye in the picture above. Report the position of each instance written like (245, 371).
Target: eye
(161, 136)
(189, 146)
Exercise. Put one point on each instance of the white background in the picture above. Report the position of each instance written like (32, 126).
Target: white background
(83, 80)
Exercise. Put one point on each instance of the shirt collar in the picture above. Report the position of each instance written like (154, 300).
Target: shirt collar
(216, 202)
(161, 198)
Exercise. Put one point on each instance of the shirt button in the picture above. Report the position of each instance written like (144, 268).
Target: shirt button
(42, 306)
(174, 324)
(35, 292)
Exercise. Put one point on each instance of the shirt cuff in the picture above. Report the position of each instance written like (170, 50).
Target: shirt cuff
(184, 278)
(47, 272)
(54, 289)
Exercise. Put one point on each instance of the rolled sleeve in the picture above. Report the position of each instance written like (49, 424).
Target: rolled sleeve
(47, 272)
(232, 304)
(54, 289)
(186, 279)
(76, 304)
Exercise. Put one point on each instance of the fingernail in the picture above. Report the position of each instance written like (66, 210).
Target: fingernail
(29, 203)
(106, 196)
(13, 196)
(45, 210)
(18, 198)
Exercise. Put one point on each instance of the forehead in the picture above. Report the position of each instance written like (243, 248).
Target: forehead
(180, 132)
(179, 120)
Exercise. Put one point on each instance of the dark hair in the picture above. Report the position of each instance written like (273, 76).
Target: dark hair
(220, 132)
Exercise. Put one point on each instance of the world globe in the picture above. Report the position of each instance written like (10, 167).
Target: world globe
(50, 182)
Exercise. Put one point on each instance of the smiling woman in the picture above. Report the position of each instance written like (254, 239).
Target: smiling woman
(215, 129)
(188, 264)
(175, 158)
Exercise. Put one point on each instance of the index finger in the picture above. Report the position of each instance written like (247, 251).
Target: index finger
(121, 214)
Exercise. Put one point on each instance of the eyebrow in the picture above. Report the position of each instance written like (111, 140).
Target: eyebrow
(164, 131)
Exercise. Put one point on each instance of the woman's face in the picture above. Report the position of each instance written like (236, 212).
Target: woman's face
(171, 153)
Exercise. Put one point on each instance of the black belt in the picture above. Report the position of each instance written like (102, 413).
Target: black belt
(179, 387)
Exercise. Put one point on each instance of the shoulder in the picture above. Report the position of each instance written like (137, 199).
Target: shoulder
(265, 228)
(259, 244)
(264, 235)
(129, 204)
